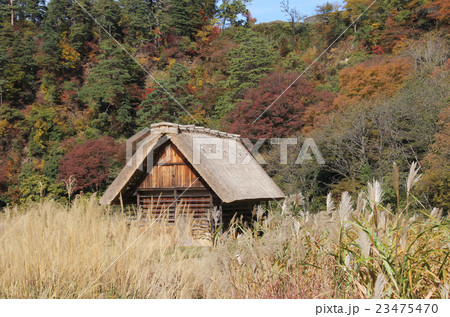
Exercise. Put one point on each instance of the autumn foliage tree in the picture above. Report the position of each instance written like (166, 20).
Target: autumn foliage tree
(384, 23)
(261, 115)
(440, 9)
(376, 78)
(90, 163)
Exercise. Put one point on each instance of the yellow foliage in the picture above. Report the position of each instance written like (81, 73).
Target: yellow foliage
(70, 57)
(60, 119)
(172, 61)
(376, 25)
(41, 127)
(4, 126)
(400, 46)
(39, 165)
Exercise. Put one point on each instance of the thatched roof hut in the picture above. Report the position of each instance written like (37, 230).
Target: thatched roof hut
(202, 168)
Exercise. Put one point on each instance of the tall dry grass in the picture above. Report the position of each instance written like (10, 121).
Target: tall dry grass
(358, 249)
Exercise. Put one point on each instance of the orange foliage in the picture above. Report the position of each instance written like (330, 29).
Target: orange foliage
(382, 77)
(206, 35)
(440, 9)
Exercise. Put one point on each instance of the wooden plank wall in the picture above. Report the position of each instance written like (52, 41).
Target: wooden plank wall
(192, 202)
(171, 170)
(170, 205)
(174, 186)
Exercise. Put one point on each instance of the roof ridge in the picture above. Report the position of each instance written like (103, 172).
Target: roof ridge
(168, 127)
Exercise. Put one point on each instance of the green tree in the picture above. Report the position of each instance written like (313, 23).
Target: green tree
(188, 16)
(65, 18)
(138, 19)
(51, 162)
(105, 90)
(252, 60)
(44, 130)
(230, 10)
(31, 10)
(18, 65)
(159, 106)
(13, 11)
(108, 14)
(81, 25)
(7, 12)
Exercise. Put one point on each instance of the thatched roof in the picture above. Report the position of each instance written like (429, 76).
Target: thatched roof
(232, 177)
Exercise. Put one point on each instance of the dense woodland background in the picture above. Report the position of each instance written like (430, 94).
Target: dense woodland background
(70, 96)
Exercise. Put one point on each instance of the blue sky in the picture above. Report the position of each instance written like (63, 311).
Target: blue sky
(270, 10)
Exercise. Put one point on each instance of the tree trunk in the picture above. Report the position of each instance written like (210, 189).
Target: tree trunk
(12, 13)
(223, 23)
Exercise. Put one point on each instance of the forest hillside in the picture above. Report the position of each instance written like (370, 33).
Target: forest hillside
(78, 77)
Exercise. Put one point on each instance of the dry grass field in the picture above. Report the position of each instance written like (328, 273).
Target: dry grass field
(356, 249)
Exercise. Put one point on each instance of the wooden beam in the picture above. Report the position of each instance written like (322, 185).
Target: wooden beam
(121, 202)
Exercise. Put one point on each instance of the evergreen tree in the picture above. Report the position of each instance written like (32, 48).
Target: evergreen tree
(138, 19)
(57, 17)
(7, 11)
(253, 59)
(159, 106)
(20, 11)
(67, 18)
(81, 24)
(31, 10)
(18, 65)
(188, 16)
(185, 17)
(6, 39)
(108, 14)
(105, 90)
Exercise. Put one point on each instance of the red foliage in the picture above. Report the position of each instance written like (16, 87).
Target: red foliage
(377, 50)
(90, 163)
(395, 31)
(149, 90)
(290, 114)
